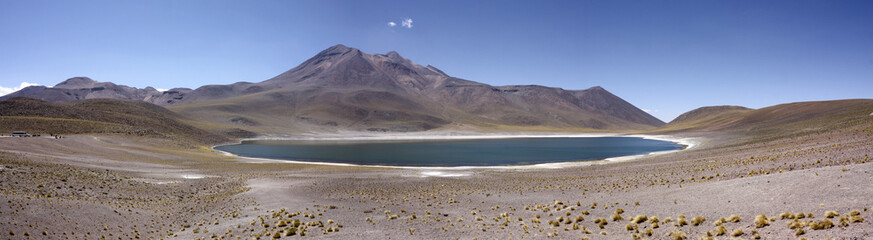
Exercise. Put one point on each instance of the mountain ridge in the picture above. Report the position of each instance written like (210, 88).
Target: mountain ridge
(345, 88)
(82, 88)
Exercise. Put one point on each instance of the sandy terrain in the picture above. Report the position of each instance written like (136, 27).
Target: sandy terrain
(90, 187)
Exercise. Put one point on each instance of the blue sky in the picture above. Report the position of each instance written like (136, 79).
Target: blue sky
(666, 57)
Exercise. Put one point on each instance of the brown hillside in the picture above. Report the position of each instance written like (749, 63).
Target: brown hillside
(705, 118)
(784, 118)
(706, 112)
(98, 116)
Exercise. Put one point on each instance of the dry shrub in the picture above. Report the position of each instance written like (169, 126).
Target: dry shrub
(677, 235)
(737, 232)
(639, 219)
(720, 230)
(761, 221)
(697, 220)
(823, 224)
(616, 217)
(734, 218)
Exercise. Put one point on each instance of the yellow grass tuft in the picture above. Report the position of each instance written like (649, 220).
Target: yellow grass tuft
(601, 222)
(677, 235)
(639, 219)
(844, 221)
(290, 232)
(799, 232)
(737, 232)
(734, 218)
(681, 221)
(616, 217)
(761, 221)
(823, 224)
(697, 220)
(720, 230)
(796, 224)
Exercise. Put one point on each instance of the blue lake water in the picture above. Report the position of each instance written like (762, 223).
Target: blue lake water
(448, 153)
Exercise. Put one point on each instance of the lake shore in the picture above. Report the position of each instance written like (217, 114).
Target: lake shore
(719, 175)
(688, 143)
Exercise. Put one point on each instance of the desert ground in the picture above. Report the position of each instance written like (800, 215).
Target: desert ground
(728, 185)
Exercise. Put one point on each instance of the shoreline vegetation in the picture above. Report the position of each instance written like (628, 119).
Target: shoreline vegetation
(795, 171)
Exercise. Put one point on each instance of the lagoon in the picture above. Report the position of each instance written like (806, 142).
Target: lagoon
(451, 153)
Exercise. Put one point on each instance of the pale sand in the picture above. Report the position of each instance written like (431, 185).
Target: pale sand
(154, 189)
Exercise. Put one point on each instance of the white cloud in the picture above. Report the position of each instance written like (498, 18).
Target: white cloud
(392, 24)
(162, 89)
(649, 110)
(407, 22)
(8, 90)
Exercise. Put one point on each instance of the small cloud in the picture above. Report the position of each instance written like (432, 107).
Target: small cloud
(392, 24)
(407, 23)
(162, 89)
(7, 90)
(650, 110)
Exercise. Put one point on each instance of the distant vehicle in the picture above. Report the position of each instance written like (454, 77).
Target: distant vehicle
(20, 134)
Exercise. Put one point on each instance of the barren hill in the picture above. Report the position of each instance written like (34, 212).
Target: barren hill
(705, 118)
(790, 117)
(98, 116)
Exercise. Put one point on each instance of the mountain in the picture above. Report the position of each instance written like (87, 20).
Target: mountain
(790, 117)
(99, 116)
(345, 88)
(80, 88)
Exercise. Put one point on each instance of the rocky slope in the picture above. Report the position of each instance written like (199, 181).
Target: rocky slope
(345, 88)
(342, 87)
